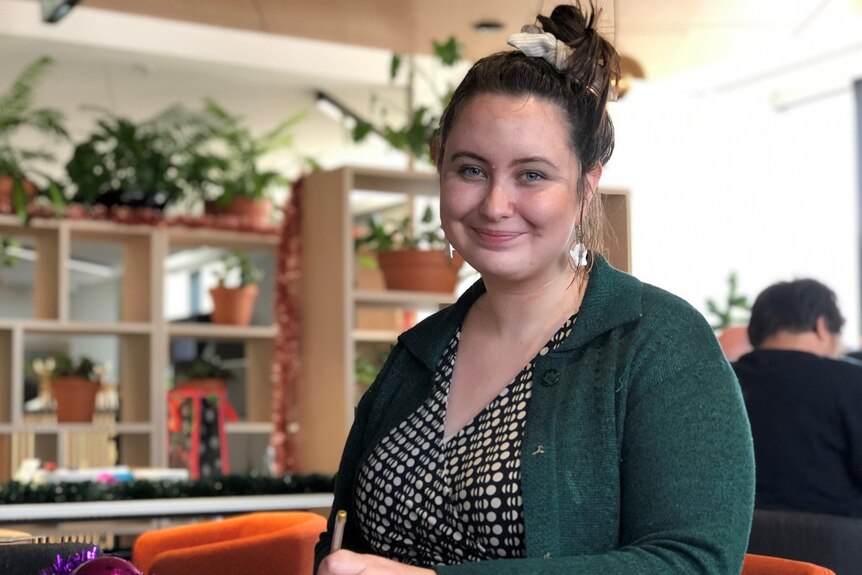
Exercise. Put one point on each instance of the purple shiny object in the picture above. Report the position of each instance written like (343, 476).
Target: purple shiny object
(66, 565)
(106, 565)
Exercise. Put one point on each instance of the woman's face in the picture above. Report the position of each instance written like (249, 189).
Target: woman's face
(508, 188)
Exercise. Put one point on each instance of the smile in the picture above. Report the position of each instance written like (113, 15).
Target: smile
(495, 236)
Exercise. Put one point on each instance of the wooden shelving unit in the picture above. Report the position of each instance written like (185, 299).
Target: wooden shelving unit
(138, 331)
(335, 309)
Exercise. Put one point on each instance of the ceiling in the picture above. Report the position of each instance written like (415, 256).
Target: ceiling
(664, 36)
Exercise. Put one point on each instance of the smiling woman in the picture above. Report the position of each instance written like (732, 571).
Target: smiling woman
(509, 202)
(561, 416)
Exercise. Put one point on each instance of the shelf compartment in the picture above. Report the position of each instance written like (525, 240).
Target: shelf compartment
(249, 359)
(130, 356)
(41, 253)
(104, 288)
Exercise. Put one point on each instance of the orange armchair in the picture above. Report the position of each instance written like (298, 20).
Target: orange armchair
(279, 542)
(763, 565)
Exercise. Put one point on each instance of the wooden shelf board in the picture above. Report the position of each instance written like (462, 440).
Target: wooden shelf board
(396, 298)
(221, 331)
(248, 427)
(56, 428)
(200, 237)
(84, 328)
(375, 335)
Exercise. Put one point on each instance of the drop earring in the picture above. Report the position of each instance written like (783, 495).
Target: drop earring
(579, 251)
(450, 251)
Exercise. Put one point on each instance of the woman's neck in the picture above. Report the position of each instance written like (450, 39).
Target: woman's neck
(534, 309)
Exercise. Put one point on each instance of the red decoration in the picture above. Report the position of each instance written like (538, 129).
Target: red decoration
(285, 361)
(197, 440)
(147, 216)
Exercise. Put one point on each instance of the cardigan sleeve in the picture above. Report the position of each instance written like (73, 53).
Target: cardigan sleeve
(686, 467)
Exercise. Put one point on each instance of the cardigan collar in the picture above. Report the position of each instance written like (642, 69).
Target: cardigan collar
(612, 299)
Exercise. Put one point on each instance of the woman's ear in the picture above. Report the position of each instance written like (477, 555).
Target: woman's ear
(593, 177)
(592, 181)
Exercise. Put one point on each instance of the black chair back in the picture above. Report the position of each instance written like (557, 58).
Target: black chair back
(832, 541)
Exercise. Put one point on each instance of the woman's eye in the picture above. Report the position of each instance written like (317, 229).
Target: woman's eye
(471, 172)
(532, 176)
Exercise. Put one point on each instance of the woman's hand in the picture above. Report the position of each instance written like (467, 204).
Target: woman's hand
(349, 563)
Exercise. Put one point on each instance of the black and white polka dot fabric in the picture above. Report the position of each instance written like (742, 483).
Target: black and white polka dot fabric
(424, 499)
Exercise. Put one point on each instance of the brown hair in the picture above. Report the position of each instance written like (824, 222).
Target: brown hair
(581, 90)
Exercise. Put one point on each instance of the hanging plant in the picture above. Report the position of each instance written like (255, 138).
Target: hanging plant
(414, 136)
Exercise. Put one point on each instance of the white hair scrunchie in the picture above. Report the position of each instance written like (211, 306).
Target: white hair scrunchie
(537, 44)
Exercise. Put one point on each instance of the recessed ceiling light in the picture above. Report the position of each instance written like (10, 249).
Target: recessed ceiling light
(487, 26)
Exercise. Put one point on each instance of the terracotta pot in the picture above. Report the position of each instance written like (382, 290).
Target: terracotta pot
(253, 212)
(7, 184)
(76, 399)
(210, 384)
(734, 341)
(420, 270)
(233, 305)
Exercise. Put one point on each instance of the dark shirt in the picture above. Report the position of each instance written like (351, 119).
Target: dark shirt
(806, 420)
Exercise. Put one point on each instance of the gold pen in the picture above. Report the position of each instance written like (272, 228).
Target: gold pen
(338, 531)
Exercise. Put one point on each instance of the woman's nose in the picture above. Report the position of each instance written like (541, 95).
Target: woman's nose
(496, 204)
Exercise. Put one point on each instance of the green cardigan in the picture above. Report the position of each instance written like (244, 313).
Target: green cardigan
(637, 454)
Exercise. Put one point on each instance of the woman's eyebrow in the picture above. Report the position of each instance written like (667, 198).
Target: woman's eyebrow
(533, 160)
(470, 155)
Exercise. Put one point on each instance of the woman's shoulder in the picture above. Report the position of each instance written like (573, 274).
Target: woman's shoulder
(660, 305)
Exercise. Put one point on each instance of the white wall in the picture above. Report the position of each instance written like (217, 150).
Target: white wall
(723, 180)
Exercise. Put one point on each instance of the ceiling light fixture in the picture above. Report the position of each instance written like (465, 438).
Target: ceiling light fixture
(54, 10)
(487, 26)
(341, 113)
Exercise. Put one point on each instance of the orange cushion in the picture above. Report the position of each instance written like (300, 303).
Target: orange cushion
(763, 565)
(281, 542)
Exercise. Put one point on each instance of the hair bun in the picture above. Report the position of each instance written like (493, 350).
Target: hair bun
(594, 63)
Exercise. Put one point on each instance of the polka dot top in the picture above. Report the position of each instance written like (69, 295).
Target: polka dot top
(423, 499)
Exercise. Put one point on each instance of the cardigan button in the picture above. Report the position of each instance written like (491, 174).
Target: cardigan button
(550, 377)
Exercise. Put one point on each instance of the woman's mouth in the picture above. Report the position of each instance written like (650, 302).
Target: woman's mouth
(495, 236)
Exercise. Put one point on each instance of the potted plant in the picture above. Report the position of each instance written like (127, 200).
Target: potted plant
(143, 164)
(19, 167)
(203, 372)
(234, 304)
(412, 258)
(242, 187)
(74, 384)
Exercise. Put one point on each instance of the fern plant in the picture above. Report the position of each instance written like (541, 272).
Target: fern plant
(149, 163)
(237, 154)
(18, 111)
